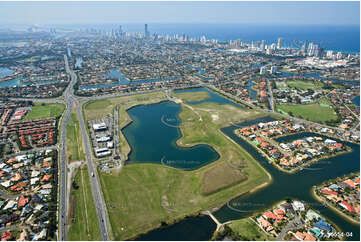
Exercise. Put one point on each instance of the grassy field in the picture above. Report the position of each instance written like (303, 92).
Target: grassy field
(305, 84)
(248, 230)
(320, 111)
(190, 97)
(227, 176)
(45, 110)
(74, 143)
(142, 196)
(84, 222)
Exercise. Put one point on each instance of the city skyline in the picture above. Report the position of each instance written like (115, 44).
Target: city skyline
(335, 13)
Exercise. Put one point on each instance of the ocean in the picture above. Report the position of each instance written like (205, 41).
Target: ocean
(344, 38)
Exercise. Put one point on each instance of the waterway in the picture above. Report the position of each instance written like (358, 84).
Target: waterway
(154, 141)
(122, 80)
(18, 82)
(356, 100)
(283, 186)
(213, 97)
(4, 72)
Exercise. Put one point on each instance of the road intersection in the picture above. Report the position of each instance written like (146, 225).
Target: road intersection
(76, 102)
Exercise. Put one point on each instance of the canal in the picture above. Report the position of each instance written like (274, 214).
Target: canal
(284, 185)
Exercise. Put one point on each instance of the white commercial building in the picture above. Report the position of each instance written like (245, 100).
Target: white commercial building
(99, 127)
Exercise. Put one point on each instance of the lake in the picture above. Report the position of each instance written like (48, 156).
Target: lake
(284, 185)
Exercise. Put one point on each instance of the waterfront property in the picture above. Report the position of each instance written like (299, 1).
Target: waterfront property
(291, 155)
(343, 194)
(288, 220)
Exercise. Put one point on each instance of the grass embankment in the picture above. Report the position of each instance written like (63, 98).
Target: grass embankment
(74, 143)
(84, 221)
(249, 230)
(45, 110)
(319, 111)
(142, 196)
(195, 97)
(99, 109)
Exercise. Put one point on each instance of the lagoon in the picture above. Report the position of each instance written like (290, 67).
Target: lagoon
(154, 141)
(284, 185)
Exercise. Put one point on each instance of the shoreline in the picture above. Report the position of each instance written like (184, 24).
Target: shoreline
(331, 206)
(298, 168)
(198, 212)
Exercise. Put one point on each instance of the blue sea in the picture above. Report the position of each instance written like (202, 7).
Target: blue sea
(345, 38)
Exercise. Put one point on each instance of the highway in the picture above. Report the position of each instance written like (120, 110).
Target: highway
(63, 201)
(70, 100)
(96, 188)
(97, 193)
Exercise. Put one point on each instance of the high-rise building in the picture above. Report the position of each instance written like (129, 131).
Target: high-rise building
(146, 32)
(279, 43)
(303, 48)
(263, 45)
(329, 54)
(339, 55)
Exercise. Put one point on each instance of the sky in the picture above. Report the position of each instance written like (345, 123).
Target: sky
(340, 13)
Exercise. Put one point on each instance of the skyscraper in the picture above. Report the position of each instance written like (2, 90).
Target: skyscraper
(263, 45)
(146, 32)
(279, 43)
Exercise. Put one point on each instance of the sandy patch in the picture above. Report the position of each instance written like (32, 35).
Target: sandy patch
(215, 117)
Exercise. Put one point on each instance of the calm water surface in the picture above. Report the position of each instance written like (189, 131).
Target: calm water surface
(283, 186)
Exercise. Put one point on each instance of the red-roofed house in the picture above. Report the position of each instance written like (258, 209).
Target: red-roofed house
(22, 201)
(6, 236)
(325, 191)
(347, 206)
(45, 178)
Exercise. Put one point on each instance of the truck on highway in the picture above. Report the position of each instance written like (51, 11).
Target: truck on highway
(92, 174)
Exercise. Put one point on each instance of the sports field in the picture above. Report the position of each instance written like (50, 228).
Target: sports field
(320, 111)
(45, 110)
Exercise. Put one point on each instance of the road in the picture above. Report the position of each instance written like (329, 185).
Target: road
(97, 193)
(70, 100)
(63, 201)
(275, 113)
(296, 223)
(270, 96)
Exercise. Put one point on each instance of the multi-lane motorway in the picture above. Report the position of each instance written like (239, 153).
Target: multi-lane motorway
(70, 100)
(62, 159)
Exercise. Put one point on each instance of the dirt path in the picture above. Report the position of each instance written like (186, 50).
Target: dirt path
(191, 108)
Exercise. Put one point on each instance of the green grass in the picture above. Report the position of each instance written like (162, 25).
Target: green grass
(193, 96)
(134, 195)
(248, 230)
(44, 110)
(100, 108)
(84, 225)
(305, 85)
(74, 143)
(320, 111)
